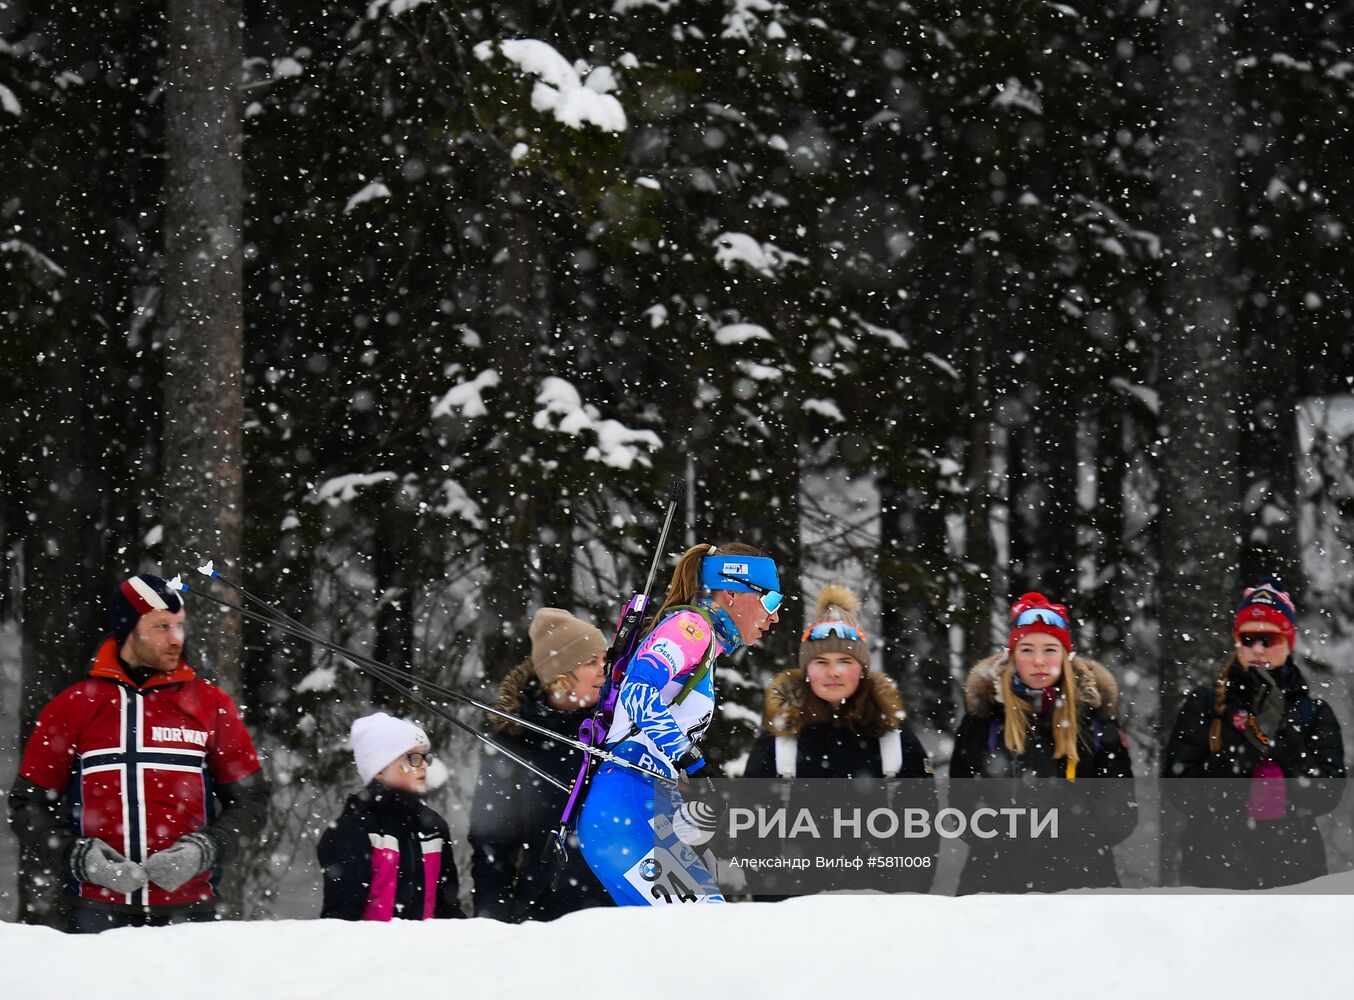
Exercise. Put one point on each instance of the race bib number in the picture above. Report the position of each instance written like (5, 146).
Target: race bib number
(668, 876)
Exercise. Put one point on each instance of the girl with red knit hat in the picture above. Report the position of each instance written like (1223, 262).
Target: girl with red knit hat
(1274, 751)
(1040, 728)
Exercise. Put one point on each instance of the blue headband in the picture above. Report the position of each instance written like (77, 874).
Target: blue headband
(736, 572)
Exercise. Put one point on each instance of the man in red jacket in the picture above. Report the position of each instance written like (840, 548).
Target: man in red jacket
(158, 774)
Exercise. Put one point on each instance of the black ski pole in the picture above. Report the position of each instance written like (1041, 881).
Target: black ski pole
(386, 674)
(404, 681)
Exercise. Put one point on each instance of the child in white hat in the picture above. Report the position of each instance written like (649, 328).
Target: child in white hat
(389, 856)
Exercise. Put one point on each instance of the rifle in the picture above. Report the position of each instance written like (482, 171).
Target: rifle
(593, 731)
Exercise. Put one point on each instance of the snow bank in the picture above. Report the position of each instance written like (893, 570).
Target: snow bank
(1123, 945)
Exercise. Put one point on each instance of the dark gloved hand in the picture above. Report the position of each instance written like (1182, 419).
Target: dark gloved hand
(697, 818)
(176, 864)
(692, 762)
(91, 860)
(1267, 711)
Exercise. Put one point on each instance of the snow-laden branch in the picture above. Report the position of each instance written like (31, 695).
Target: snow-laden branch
(562, 409)
(467, 398)
(575, 94)
(733, 249)
(371, 192)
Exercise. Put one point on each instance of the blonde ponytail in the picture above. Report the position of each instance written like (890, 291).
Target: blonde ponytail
(685, 586)
(686, 580)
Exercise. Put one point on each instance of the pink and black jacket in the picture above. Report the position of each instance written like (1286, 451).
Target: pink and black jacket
(388, 856)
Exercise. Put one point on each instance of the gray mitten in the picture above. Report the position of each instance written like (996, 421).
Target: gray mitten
(176, 864)
(1267, 711)
(91, 860)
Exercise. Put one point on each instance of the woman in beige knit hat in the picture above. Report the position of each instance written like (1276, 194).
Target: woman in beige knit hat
(516, 812)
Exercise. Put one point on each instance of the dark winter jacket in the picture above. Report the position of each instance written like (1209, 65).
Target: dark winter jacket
(1251, 822)
(516, 814)
(826, 744)
(1093, 814)
(832, 748)
(388, 856)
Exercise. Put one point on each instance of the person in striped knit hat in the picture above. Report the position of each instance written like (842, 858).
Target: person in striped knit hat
(1270, 749)
(164, 771)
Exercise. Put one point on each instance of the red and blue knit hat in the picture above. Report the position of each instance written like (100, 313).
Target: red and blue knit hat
(1033, 613)
(139, 595)
(1268, 602)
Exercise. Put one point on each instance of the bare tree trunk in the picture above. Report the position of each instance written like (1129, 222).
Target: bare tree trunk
(913, 626)
(521, 306)
(1200, 510)
(979, 550)
(65, 578)
(1200, 503)
(394, 566)
(1109, 604)
(1016, 450)
(203, 311)
(1053, 440)
(1269, 446)
(778, 526)
(556, 547)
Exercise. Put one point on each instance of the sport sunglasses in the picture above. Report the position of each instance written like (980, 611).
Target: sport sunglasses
(840, 629)
(1042, 615)
(1265, 639)
(770, 599)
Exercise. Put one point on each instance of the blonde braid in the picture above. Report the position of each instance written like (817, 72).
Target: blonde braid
(1219, 705)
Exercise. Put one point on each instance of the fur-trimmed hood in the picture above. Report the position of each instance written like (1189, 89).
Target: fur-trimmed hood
(511, 694)
(784, 712)
(1097, 690)
(522, 694)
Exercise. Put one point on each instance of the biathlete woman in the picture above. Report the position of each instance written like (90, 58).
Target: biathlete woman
(720, 598)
